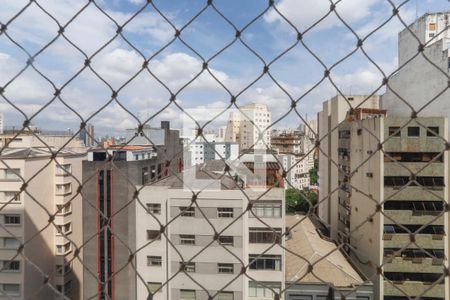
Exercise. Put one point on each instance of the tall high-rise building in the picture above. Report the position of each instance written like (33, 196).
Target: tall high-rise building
(111, 177)
(46, 218)
(333, 113)
(421, 82)
(87, 135)
(391, 203)
(250, 127)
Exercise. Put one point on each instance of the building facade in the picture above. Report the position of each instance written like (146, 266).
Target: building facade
(395, 193)
(250, 127)
(109, 194)
(296, 157)
(214, 262)
(87, 136)
(333, 113)
(200, 152)
(50, 196)
(425, 76)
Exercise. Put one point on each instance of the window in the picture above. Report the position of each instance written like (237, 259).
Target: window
(225, 296)
(226, 240)
(64, 209)
(414, 131)
(266, 209)
(10, 243)
(11, 289)
(64, 229)
(68, 287)
(264, 235)
(63, 189)
(187, 294)
(225, 268)
(11, 219)
(433, 131)
(153, 235)
(11, 174)
(145, 175)
(265, 262)
(224, 212)
(63, 269)
(394, 131)
(188, 267)
(187, 239)
(11, 196)
(187, 211)
(263, 289)
(154, 208)
(63, 249)
(10, 265)
(154, 287)
(63, 170)
(432, 26)
(154, 261)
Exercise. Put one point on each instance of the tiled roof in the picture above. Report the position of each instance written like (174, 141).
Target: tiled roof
(329, 265)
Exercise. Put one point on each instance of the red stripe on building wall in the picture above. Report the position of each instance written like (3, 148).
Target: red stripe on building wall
(112, 236)
(98, 232)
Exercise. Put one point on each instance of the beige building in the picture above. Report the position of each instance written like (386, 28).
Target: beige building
(50, 195)
(296, 157)
(391, 203)
(250, 127)
(211, 241)
(333, 113)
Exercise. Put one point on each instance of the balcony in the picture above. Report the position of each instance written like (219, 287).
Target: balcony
(414, 193)
(414, 288)
(427, 169)
(398, 240)
(414, 217)
(418, 264)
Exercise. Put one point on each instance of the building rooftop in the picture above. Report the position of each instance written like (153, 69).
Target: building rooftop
(176, 182)
(25, 153)
(329, 266)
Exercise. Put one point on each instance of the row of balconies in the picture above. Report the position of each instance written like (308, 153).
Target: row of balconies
(399, 240)
(414, 288)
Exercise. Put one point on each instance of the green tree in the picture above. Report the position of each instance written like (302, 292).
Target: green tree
(313, 174)
(300, 200)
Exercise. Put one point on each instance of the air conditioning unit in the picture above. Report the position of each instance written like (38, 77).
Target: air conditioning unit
(369, 174)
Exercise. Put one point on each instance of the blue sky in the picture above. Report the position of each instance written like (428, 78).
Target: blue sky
(296, 71)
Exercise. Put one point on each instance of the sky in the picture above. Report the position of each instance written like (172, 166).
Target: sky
(291, 75)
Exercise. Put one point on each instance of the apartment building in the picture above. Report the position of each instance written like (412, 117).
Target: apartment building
(200, 152)
(37, 138)
(87, 136)
(426, 76)
(109, 194)
(209, 241)
(50, 195)
(333, 113)
(296, 157)
(392, 210)
(250, 127)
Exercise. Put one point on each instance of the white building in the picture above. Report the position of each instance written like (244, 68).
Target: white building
(215, 262)
(251, 127)
(333, 113)
(50, 197)
(199, 153)
(421, 79)
(298, 168)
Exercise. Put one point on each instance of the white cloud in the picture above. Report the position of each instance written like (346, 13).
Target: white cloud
(306, 12)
